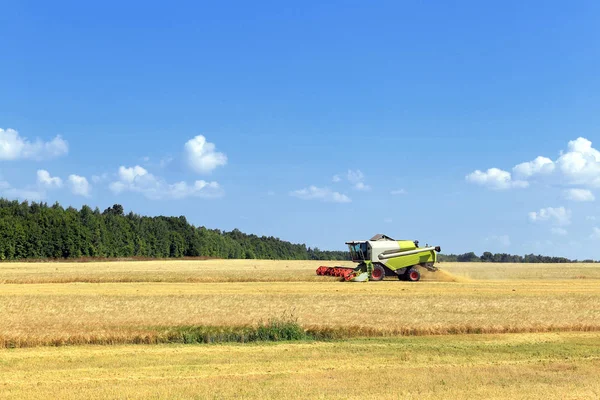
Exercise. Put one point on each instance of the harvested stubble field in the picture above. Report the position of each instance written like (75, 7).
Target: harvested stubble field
(551, 310)
(545, 366)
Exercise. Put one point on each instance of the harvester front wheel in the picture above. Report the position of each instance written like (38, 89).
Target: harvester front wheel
(413, 275)
(378, 273)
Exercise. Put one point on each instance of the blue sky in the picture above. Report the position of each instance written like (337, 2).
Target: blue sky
(316, 122)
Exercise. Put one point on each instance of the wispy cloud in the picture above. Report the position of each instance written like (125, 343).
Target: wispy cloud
(557, 216)
(322, 194)
(559, 231)
(579, 195)
(502, 240)
(357, 179)
(10, 192)
(138, 180)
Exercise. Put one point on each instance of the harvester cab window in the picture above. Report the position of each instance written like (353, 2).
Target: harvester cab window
(359, 251)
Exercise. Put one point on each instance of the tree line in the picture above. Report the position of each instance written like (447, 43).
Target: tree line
(505, 258)
(39, 231)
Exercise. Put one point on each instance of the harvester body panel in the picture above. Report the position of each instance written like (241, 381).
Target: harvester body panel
(405, 261)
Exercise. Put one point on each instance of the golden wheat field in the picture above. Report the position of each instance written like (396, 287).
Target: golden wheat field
(547, 366)
(260, 271)
(74, 330)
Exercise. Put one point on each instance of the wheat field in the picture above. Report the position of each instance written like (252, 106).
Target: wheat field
(200, 271)
(546, 366)
(469, 330)
(123, 312)
(129, 302)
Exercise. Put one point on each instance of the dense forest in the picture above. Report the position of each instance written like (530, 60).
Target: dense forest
(38, 231)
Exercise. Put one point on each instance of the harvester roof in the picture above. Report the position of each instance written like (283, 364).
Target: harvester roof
(380, 236)
(376, 238)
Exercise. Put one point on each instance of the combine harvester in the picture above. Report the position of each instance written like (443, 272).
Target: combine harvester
(383, 256)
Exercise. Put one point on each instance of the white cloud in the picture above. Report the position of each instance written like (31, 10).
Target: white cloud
(541, 165)
(362, 187)
(355, 176)
(139, 180)
(323, 194)
(557, 216)
(590, 218)
(47, 181)
(130, 174)
(201, 155)
(79, 185)
(398, 192)
(15, 147)
(387, 220)
(578, 165)
(559, 231)
(357, 179)
(495, 179)
(581, 163)
(579, 195)
(199, 188)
